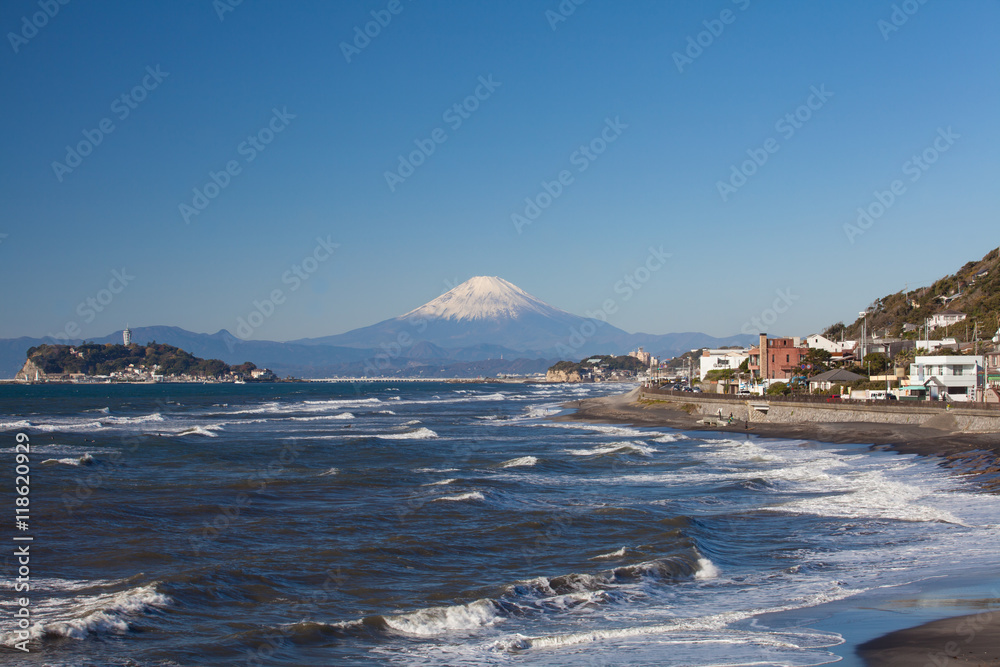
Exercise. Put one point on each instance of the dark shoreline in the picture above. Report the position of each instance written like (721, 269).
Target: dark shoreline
(961, 640)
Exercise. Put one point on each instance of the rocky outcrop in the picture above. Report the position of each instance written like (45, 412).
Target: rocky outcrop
(563, 376)
(30, 372)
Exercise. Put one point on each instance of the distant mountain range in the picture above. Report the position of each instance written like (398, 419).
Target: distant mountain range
(484, 326)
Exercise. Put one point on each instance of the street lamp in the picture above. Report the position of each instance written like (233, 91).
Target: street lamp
(864, 334)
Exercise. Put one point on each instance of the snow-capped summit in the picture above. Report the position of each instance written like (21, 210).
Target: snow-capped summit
(484, 298)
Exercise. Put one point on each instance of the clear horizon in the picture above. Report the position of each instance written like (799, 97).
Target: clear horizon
(175, 164)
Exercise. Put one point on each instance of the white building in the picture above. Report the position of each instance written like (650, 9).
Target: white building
(642, 356)
(721, 360)
(951, 375)
(127, 336)
(820, 342)
(945, 319)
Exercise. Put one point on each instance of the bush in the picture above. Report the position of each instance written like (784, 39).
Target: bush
(778, 389)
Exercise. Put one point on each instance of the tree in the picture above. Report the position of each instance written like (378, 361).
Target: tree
(817, 361)
(876, 361)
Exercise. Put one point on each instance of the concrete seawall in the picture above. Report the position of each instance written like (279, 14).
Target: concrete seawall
(761, 410)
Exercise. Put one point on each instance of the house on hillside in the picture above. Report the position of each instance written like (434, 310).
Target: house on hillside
(821, 342)
(945, 318)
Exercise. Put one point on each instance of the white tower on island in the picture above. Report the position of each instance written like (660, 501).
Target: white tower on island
(127, 336)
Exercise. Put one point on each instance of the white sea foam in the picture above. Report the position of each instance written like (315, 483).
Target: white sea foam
(339, 402)
(208, 430)
(142, 419)
(709, 623)
(738, 451)
(84, 460)
(105, 613)
(435, 470)
(622, 447)
(616, 431)
(386, 412)
(614, 554)
(521, 461)
(706, 569)
(441, 482)
(15, 425)
(329, 472)
(67, 426)
(871, 495)
(441, 620)
(471, 495)
(671, 437)
(541, 411)
(314, 418)
(421, 433)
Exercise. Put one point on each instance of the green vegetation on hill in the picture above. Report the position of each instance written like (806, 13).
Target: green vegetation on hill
(968, 290)
(605, 361)
(96, 359)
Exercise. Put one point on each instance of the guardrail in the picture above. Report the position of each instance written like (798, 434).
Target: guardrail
(826, 400)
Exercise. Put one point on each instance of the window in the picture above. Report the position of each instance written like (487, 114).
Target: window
(788, 358)
(957, 370)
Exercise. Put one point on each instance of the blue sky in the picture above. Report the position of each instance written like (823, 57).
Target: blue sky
(887, 95)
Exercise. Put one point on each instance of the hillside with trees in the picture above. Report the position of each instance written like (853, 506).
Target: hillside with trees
(974, 290)
(607, 362)
(98, 359)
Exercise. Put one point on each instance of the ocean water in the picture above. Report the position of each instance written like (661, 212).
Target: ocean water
(452, 524)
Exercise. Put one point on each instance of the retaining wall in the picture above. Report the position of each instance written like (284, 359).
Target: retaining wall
(785, 411)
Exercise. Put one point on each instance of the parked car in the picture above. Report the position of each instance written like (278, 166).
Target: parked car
(833, 398)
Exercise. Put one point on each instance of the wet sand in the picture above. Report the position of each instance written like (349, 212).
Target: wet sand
(963, 640)
(950, 642)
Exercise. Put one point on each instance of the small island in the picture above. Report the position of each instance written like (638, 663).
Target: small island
(153, 362)
(599, 368)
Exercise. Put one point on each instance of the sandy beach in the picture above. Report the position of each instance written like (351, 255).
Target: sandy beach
(961, 640)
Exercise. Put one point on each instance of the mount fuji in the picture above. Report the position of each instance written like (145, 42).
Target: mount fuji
(487, 315)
